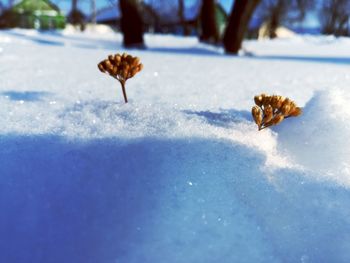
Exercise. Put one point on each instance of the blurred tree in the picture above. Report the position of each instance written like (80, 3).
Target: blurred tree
(167, 13)
(303, 6)
(75, 16)
(131, 24)
(276, 12)
(74, 4)
(93, 11)
(334, 17)
(182, 20)
(10, 3)
(238, 23)
(209, 28)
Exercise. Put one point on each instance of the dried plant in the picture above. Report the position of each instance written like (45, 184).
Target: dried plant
(121, 67)
(271, 110)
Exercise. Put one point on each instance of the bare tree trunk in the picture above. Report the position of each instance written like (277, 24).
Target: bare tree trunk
(74, 5)
(131, 24)
(277, 11)
(181, 14)
(93, 11)
(75, 16)
(238, 24)
(210, 31)
(273, 23)
(334, 17)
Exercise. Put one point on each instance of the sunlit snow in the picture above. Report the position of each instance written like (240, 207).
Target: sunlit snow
(180, 173)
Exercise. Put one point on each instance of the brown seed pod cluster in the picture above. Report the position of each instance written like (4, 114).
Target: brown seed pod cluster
(271, 110)
(121, 67)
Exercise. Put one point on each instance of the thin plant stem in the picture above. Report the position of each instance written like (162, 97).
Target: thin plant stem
(124, 92)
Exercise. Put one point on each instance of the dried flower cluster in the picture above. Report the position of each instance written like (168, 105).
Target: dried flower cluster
(121, 67)
(271, 110)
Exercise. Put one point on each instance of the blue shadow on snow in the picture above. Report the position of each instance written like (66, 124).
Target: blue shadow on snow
(224, 118)
(312, 59)
(160, 200)
(25, 95)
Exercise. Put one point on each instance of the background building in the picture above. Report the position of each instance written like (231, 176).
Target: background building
(38, 14)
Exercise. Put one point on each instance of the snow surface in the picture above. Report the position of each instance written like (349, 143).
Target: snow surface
(179, 174)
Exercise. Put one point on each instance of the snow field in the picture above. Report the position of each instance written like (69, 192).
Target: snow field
(180, 174)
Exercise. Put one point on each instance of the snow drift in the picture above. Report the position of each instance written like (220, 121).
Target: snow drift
(319, 139)
(160, 200)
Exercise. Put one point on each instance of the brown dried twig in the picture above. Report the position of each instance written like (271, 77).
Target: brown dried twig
(271, 110)
(121, 67)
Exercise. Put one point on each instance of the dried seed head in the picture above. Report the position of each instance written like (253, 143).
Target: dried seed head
(257, 115)
(115, 71)
(285, 109)
(277, 119)
(125, 74)
(117, 59)
(121, 67)
(258, 100)
(273, 109)
(109, 65)
(133, 72)
(274, 101)
(266, 100)
(268, 113)
(101, 67)
(280, 101)
(135, 61)
(296, 112)
(286, 101)
(124, 63)
(129, 58)
(292, 107)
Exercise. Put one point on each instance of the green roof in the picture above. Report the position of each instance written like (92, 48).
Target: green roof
(29, 6)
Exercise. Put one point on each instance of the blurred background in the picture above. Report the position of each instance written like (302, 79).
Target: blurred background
(213, 21)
